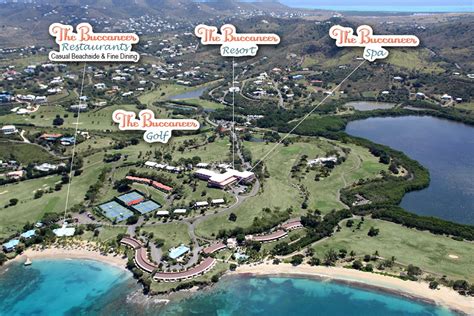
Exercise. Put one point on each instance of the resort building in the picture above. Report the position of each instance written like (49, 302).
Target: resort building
(64, 231)
(201, 204)
(273, 236)
(9, 129)
(217, 201)
(10, 245)
(231, 243)
(224, 180)
(214, 248)
(205, 265)
(292, 225)
(162, 213)
(180, 211)
(28, 234)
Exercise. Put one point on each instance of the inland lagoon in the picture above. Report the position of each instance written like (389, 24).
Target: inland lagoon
(445, 148)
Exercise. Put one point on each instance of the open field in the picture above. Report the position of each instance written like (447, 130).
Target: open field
(174, 234)
(409, 246)
(31, 210)
(280, 190)
(24, 153)
(100, 119)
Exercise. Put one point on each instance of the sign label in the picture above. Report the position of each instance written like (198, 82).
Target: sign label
(86, 46)
(156, 130)
(373, 44)
(232, 43)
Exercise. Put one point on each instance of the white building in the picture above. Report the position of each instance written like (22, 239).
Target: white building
(9, 129)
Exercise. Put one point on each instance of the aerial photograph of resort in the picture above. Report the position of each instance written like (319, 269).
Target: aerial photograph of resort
(236, 157)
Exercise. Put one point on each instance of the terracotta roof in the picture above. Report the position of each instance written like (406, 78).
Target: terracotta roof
(202, 267)
(272, 236)
(213, 248)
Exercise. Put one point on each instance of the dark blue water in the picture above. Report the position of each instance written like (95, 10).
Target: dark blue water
(292, 296)
(196, 93)
(446, 148)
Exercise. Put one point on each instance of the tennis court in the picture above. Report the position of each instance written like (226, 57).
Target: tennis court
(146, 207)
(113, 210)
(131, 198)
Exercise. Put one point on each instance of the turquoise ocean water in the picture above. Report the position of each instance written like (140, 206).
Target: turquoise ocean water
(81, 287)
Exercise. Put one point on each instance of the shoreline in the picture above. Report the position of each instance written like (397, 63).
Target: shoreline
(418, 291)
(64, 254)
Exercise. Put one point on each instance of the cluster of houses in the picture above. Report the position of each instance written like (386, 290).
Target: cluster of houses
(63, 140)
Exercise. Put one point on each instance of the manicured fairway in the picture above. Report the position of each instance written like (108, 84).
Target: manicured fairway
(410, 246)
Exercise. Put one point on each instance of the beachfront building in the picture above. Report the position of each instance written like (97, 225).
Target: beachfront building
(28, 234)
(64, 231)
(10, 245)
(175, 253)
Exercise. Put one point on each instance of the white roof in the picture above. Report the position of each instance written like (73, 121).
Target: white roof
(240, 174)
(150, 163)
(218, 201)
(206, 172)
(180, 211)
(162, 213)
(202, 203)
(64, 231)
(202, 165)
(9, 127)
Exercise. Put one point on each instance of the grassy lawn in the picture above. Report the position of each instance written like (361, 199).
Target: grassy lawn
(174, 234)
(24, 153)
(93, 120)
(31, 210)
(428, 251)
(360, 164)
(280, 190)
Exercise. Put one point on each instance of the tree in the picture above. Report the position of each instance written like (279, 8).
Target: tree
(357, 264)
(373, 232)
(13, 202)
(413, 270)
(296, 260)
(349, 223)
(38, 194)
(460, 285)
(232, 217)
(3, 258)
(132, 220)
(330, 257)
(232, 267)
(58, 121)
(314, 261)
(215, 278)
(434, 285)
